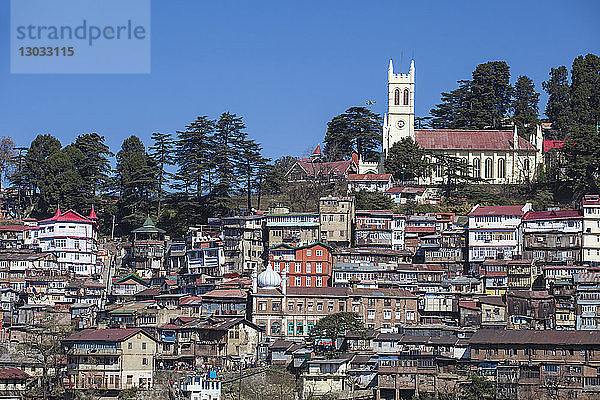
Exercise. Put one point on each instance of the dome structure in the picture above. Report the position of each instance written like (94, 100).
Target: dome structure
(268, 279)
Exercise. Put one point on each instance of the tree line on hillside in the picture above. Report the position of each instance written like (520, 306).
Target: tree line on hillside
(180, 179)
(204, 170)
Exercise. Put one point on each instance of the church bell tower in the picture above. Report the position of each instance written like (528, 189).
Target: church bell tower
(400, 119)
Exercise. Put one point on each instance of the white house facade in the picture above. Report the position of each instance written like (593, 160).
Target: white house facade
(73, 238)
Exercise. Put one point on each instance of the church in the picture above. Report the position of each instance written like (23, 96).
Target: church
(496, 156)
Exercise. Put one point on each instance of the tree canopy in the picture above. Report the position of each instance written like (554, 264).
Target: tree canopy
(356, 130)
(406, 160)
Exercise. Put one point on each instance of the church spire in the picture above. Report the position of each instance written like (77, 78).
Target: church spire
(391, 69)
(411, 71)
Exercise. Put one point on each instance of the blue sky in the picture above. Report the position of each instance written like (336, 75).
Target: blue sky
(289, 67)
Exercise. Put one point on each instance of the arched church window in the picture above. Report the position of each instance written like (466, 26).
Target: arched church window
(501, 168)
(405, 97)
(397, 97)
(476, 168)
(489, 168)
(526, 164)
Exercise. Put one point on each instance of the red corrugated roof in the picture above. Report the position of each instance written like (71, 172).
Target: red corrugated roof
(458, 139)
(326, 168)
(497, 210)
(369, 177)
(558, 214)
(12, 373)
(12, 228)
(68, 216)
(102, 335)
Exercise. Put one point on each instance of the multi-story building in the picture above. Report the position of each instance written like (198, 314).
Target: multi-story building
(294, 228)
(304, 266)
(244, 241)
(530, 309)
(587, 300)
(398, 230)
(337, 220)
(374, 228)
(207, 259)
(540, 364)
(292, 312)
(447, 248)
(494, 232)
(493, 311)
(147, 252)
(372, 255)
(591, 229)
(552, 236)
(73, 238)
(564, 303)
(110, 359)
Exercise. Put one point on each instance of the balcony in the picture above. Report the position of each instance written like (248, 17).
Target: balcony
(92, 352)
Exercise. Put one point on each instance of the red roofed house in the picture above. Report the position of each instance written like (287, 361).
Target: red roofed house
(494, 232)
(13, 383)
(495, 156)
(110, 359)
(370, 182)
(315, 169)
(73, 238)
(553, 237)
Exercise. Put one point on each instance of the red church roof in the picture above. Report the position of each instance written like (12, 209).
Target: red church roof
(68, 216)
(326, 168)
(460, 139)
(369, 177)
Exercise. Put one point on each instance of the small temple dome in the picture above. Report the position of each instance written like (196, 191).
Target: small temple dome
(268, 279)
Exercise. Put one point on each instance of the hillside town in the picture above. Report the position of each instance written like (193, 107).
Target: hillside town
(503, 292)
(271, 208)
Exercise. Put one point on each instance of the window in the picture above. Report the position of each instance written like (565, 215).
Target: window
(308, 282)
(319, 253)
(397, 97)
(319, 281)
(310, 306)
(309, 327)
(275, 328)
(290, 306)
(371, 314)
(319, 268)
(129, 345)
(319, 306)
(330, 307)
(299, 328)
(476, 168)
(143, 345)
(489, 171)
(298, 281)
(501, 168)
(290, 328)
(405, 97)
(309, 252)
(308, 268)
(300, 307)
(144, 361)
(387, 314)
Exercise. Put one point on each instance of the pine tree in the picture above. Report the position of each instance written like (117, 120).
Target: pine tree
(491, 94)
(358, 129)
(162, 152)
(559, 101)
(585, 90)
(193, 156)
(525, 107)
(95, 166)
(136, 183)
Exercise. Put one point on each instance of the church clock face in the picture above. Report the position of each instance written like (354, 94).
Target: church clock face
(400, 124)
